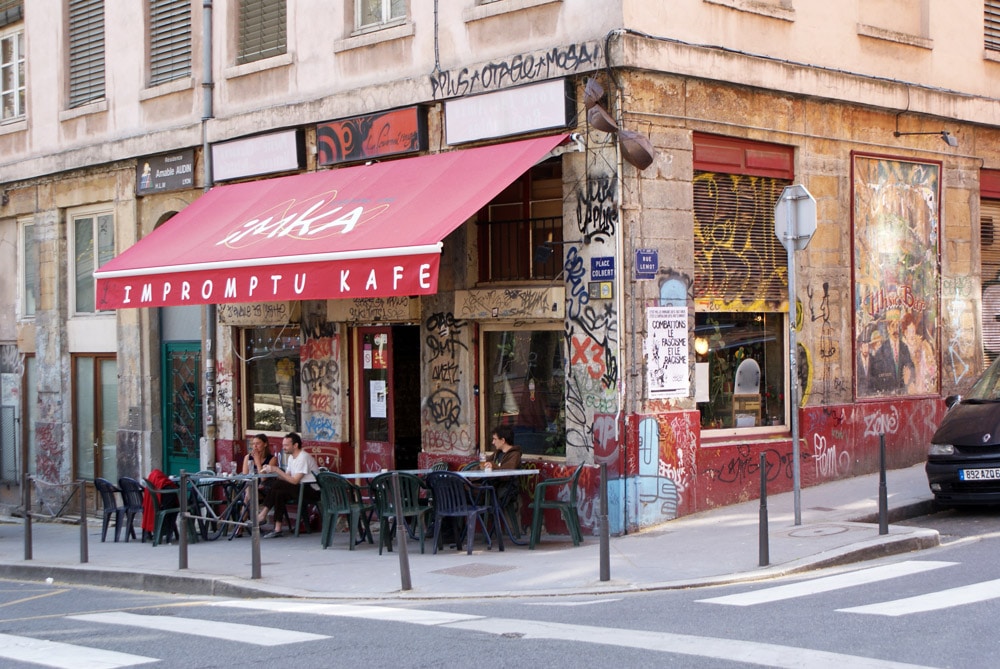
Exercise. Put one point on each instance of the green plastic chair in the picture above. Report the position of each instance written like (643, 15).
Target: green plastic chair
(165, 508)
(340, 497)
(439, 466)
(567, 508)
(410, 488)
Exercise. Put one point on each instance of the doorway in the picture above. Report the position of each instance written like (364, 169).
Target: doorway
(182, 426)
(95, 416)
(388, 404)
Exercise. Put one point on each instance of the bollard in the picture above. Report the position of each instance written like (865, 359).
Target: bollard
(603, 521)
(765, 558)
(83, 521)
(26, 497)
(883, 503)
(404, 556)
(182, 546)
(254, 531)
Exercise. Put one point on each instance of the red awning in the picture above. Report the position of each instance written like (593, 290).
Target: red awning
(366, 231)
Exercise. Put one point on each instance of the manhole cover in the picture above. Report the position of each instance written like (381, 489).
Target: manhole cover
(474, 570)
(818, 531)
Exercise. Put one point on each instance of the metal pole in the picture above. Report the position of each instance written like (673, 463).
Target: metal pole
(254, 531)
(26, 497)
(765, 557)
(182, 546)
(83, 521)
(791, 236)
(404, 556)
(603, 526)
(883, 503)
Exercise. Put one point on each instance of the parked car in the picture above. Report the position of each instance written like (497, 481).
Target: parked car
(963, 462)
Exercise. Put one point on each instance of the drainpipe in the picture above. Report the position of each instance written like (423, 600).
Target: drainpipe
(208, 326)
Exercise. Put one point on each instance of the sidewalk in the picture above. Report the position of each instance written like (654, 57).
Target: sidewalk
(839, 525)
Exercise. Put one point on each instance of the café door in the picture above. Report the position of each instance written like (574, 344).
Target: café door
(387, 400)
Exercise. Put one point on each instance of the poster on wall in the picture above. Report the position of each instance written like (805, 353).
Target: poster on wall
(896, 257)
(667, 352)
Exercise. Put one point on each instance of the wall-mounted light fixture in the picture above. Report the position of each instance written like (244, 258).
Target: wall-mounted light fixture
(946, 136)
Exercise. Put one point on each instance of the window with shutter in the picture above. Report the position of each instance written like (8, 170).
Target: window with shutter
(989, 262)
(169, 40)
(262, 25)
(86, 51)
(991, 13)
(11, 11)
(740, 282)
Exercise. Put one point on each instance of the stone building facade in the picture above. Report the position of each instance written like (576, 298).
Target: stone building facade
(603, 302)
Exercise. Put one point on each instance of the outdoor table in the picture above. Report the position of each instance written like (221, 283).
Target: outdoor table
(478, 474)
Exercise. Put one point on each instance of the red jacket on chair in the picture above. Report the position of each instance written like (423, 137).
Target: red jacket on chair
(159, 481)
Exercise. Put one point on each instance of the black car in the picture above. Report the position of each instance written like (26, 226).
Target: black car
(963, 463)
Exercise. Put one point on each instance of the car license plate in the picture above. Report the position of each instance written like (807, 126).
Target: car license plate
(986, 474)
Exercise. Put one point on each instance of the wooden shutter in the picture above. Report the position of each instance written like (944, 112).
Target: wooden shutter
(740, 265)
(86, 51)
(262, 30)
(169, 40)
(992, 24)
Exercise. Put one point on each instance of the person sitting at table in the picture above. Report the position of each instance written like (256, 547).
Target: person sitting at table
(506, 454)
(258, 456)
(285, 488)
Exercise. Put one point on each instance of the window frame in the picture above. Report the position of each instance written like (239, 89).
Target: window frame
(247, 392)
(86, 73)
(724, 156)
(386, 19)
(18, 64)
(26, 252)
(169, 54)
(991, 26)
(485, 382)
(73, 288)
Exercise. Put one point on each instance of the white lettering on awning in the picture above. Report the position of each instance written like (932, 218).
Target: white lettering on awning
(253, 284)
(206, 289)
(372, 283)
(300, 288)
(397, 276)
(186, 291)
(230, 290)
(425, 276)
(166, 290)
(344, 274)
(147, 293)
(128, 295)
(275, 278)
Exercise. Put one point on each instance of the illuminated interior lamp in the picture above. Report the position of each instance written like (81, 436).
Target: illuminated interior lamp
(700, 345)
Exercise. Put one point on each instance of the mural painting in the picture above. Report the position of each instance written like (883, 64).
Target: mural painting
(896, 247)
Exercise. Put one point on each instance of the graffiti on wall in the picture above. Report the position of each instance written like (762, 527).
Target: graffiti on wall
(520, 69)
(592, 342)
(597, 208)
(825, 383)
(320, 360)
(445, 345)
(11, 360)
(960, 308)
(896, 247)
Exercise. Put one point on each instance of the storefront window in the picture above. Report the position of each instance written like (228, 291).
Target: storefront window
(740, 369)
(524, 387)
(274, 400)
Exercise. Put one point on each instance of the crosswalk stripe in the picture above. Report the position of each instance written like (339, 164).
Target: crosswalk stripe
(733, 650)
(942, 599)
(385, 613)
(65, 655)
(260, 636)
(828, 583)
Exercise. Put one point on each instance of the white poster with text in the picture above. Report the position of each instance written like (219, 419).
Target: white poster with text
(667, 352)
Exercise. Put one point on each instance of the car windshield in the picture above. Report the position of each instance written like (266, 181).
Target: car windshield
(988, 386)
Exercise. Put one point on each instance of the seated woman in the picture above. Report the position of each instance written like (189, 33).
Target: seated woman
(253, 463)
